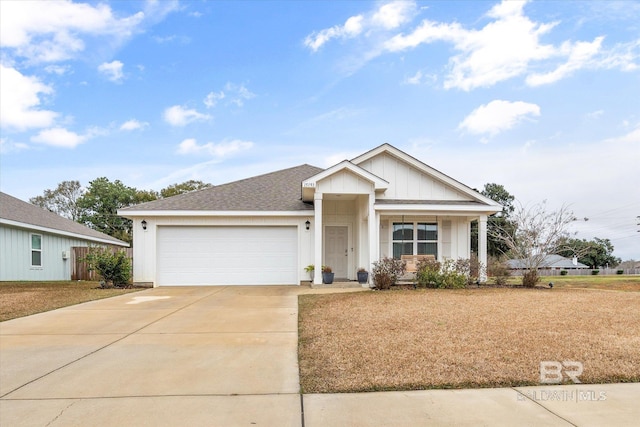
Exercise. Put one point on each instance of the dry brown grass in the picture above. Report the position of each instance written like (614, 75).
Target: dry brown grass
(617, 282)
(405, 340)
(19, 299)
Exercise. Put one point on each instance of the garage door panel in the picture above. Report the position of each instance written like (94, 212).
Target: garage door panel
(227, 255)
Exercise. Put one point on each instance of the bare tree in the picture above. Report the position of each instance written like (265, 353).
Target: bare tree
(536, 234)
(63, 200)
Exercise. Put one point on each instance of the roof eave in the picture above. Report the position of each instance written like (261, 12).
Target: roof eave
(131, 214)
(62, 232)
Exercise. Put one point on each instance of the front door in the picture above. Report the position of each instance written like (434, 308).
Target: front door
(336, 252)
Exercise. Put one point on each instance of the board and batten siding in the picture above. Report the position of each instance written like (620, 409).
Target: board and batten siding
(407, 182)
(15, 255)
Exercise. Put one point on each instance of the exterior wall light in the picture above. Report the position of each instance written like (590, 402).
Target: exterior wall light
(307, 224)
(144, 224)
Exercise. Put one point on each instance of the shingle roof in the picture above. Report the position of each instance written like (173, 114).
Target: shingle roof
(16, 210)
(550, 261)
(275, 191)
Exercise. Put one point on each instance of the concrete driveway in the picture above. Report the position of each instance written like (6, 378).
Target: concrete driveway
(168, 356)
(227, 356)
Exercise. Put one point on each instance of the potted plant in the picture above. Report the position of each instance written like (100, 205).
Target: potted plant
(327, 275)
(311, 270)
(363, 276)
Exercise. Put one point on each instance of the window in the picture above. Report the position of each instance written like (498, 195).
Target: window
(415, 238)
(36, 250)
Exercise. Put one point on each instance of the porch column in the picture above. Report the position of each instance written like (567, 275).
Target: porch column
(374, 235)
(482, 247)
(317, 238)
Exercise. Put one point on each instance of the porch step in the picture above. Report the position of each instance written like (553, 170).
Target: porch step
(339, 285)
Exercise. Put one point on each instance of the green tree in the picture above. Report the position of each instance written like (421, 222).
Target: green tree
(499, 194)
(100, 205)
(594, 253)
(499, 222)
(143, 196)
(63, 200)
(184, 187)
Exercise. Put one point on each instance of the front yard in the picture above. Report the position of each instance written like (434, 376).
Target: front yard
(18, 299)
(408, 339)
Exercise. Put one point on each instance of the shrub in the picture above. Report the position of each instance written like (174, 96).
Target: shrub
(530, 278)
(499, 270)
(595, 272)
(114, 267)
(449, 275)
(563, 272)
(619, 271)
(385, 272)
(428, 274)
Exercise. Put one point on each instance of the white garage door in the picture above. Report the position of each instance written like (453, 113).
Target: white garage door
(227, 256)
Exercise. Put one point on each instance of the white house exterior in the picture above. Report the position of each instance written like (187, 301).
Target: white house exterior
(35, 244)
(267, 229)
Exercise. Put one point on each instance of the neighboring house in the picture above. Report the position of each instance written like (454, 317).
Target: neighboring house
(266, 229)
(35, 244)
(550, 262)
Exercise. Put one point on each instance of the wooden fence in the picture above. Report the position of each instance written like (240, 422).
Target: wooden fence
(80, 269)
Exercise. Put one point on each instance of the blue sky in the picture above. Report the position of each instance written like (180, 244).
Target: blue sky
(541, 97)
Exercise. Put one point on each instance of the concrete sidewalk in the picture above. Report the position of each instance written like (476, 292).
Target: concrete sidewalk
(228, 356)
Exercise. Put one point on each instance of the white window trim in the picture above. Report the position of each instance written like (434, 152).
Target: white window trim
(415, 240)
(32, 250)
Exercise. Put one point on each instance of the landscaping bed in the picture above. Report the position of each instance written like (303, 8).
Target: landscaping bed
(18, 299)
(421, 339)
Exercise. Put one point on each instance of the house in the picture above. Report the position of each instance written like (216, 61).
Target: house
(550, 262)
(35, 244)
(266, 229)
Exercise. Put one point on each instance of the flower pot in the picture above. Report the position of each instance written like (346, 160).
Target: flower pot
(327, 278)
(363, 277)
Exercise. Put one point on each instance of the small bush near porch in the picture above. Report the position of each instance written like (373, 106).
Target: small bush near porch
(422, 339)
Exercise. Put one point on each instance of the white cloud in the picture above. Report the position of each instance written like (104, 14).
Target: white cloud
(351, 28)
(498, 116)
(52, 31)
(7, 146)
(500, 50)
(59, 137)
(112, 70)
(180, 116)
(420, 78)
(222, 149)
(212, 99)
(57, 69)
(20, 101)
(632, 137)
(241, 93)
(394, 14)
(133, 124)
(387, 17)
(595, 114)
(235, 94)
(579, 54)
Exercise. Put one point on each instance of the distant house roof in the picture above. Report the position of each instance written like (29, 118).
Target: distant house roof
(550, 261)
(275, 191)
(18, 213)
